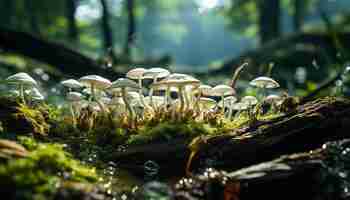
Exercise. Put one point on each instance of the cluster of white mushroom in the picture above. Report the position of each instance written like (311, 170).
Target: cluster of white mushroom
(128, 97)
(172, 93)
(25, 87)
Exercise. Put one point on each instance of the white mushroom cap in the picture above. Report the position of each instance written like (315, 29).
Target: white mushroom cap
(98, 81)
(229, 101)
(250, 100)
(273, 99)
(205, 90)
(156, 73)
(221, 90)
(72, 83)
(74, 96)
(35, 94)
(264, 82)
(136, 73)
(177, 80)
(125, 83)
(21, 78)
(240, 106)
(207, 103)
(165, 87)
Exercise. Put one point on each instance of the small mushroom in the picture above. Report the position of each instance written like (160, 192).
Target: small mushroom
(96, 82)
(72, 84)
(125, 84)
(34, 94)
(155, 73)
(179, 81)
(205, 104)
(264, 83)
(22, 80)
(222, 91)
(74, 97)
(251, 101)
(137, 74)
(229, 101)
(239, 107)
(274, 101)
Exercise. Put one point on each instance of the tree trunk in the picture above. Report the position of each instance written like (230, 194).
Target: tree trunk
(33, 18)
(269, 20)
(73, 32)
(7, 15)
(299, 13)
(106, 27)
(67, 61)
(131, 28)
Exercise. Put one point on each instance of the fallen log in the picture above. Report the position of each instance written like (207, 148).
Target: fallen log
(68, 61)
(317, 174)
(309, 45)
(305, 128)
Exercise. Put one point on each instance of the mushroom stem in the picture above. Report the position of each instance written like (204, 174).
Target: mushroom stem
(223, 103)
(73, 115)
(181, 97)
(128, 106)
(93, 93)
(22, 94)
(187, 100)
(140, 92)
(230, 112)
(167, 97)
(151, 93)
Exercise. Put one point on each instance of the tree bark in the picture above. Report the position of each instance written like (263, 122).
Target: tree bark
(73, 32)
(68, 61)
(131, 28)
(106, 27)
(269, 20)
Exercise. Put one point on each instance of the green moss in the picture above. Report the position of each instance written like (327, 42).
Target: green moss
(39, 175)
(167, 131)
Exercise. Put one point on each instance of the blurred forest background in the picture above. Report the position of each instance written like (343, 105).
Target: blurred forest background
(301, 43)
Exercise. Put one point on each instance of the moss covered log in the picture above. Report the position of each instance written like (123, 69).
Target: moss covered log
(303, 128)
(317, 174)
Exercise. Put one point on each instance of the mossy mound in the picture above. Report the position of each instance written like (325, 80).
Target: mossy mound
(45, 172)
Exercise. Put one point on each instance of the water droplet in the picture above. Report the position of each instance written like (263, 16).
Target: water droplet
(151, 168)
(156, 190)
(124, 197)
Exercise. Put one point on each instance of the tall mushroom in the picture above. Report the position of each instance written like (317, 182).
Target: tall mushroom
(251, 101)
(222, 91)
(179, 81)
(229, 101)
(124, 84)
(154, 74)
(22, 80)
(71, 84)
(264, 83)
(96, 82)
(137, 74)
(73, 97)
